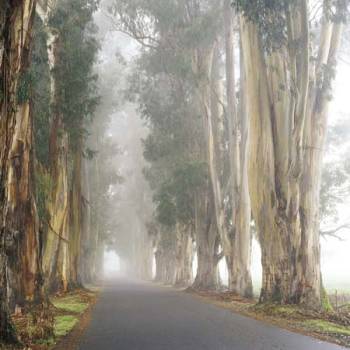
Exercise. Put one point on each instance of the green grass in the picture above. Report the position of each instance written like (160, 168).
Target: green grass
(64, 324)
(322, 326)
(70, 304)
(49, 341)
(273, 309)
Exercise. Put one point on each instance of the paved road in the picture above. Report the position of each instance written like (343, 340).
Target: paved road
(140, 316)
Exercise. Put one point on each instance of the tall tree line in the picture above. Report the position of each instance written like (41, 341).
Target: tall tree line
(236, 95)
(48, 98)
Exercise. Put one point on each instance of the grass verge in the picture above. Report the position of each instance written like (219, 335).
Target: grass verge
(63, 315)
(328, 326)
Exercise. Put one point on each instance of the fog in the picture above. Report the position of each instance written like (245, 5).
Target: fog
(168, 155)
(132, 206)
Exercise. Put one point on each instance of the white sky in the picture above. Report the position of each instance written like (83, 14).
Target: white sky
(111, 263)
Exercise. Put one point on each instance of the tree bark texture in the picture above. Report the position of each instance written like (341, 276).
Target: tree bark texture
(76, 210)
(207, 277)
(55, 250)
(20, 280)
(184, 255)
(239, 256)
(287, 112)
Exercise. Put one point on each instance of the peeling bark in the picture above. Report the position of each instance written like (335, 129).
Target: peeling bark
(206, 234)
(87, 239)
(20, 280)
(209, 214)
(55, 251)
(239, 251)
(75, 219)
(287, 134)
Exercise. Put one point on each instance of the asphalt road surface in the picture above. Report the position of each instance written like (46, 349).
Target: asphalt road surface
(141, 316)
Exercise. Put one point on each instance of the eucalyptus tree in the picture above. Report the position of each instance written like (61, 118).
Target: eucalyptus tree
(64, 101)
(289, 76)
(237, 240)
(20, 273)
(55, 243)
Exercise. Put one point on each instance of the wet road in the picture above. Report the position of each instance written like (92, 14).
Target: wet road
(141, 316)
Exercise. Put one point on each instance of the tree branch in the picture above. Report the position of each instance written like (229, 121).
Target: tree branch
(333, 233)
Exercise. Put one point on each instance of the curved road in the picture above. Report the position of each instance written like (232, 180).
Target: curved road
(141, 316)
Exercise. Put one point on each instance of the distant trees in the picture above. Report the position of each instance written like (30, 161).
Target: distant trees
(176, 148)
(185, 51)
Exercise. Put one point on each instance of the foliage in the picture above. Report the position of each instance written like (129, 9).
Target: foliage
(76, 88)
(175, 199)
(270, 17)
(337, 10)
(164, 86)
(41, 94)
(90, 153)
(24, 87)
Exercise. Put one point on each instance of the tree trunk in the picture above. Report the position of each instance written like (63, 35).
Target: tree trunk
(96, 246)
(20, 280)
(165, 266)
(208, 198)
(146, 258)
(55, 245)
(239, 259)
(87, 239)
(284, 169)
(314, 144)
(170, 267)
(184, 256)
(275, 208)
(75, 218)
(55, 251)
(160, 266)
(207, 277)
(7, 331)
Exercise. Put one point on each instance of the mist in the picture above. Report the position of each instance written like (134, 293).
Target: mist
(128, 129)
(173, 171)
